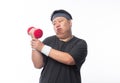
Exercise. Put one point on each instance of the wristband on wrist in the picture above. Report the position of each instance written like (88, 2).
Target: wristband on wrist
(46, 50)
(33, 49)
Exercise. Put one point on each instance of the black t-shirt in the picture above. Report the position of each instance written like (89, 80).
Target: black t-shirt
(56, 72)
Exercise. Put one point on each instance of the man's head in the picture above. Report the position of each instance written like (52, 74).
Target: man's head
(62, 23)
(61, 13)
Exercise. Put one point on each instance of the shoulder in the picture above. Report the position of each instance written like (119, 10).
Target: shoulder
(80, 41)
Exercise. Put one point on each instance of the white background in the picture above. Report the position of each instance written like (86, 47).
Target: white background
(96, 21)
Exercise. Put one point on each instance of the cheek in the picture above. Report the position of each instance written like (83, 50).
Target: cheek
(54, 29)
(65, 26)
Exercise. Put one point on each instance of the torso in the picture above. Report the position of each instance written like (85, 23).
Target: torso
(55, 72)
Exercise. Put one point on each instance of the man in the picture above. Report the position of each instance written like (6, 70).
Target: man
(62, 55)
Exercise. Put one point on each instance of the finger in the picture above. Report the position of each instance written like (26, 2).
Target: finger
(34, 39)
(32, 43)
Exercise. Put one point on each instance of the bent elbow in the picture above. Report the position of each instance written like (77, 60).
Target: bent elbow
(70, 61)
(38, 66)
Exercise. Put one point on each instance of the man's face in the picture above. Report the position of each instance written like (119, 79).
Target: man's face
(62, 27)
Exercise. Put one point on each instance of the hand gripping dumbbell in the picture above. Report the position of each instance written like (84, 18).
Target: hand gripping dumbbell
(35, 32)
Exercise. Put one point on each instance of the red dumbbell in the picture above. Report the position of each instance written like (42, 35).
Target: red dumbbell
(34, 32)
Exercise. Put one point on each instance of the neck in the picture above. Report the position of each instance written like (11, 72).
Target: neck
(67, 38)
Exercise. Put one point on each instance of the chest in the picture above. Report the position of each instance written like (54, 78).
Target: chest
(63, 46)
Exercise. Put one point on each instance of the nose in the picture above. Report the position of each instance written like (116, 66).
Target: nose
(57, 25)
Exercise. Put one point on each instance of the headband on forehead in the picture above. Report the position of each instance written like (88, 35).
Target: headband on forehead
(61, 15)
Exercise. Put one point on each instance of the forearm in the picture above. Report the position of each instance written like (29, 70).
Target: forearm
(62, 57)
(37, 59)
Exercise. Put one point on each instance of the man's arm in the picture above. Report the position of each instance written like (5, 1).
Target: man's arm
(37, 59)
(62, 57)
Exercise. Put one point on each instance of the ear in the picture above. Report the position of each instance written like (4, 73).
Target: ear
(70, 21)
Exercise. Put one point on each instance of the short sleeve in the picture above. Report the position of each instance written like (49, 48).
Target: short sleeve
(79, 52)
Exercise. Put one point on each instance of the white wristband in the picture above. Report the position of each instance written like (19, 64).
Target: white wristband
(46, 50)
(33, 49)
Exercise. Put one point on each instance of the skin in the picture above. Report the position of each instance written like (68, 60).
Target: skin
(62, 28)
